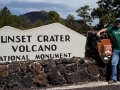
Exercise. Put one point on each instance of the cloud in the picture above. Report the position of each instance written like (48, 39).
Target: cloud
(63, 7)
(66, 2)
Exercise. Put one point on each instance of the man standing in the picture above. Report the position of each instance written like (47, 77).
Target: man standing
(115, 32)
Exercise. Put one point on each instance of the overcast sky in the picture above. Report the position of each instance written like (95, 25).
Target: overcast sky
(62, 7)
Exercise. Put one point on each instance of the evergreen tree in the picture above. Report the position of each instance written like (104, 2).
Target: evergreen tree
(54, 17)
(7, 19)
(102, 50)
(83, 12)
(106, 12)
(38, 23)
(4, 16)
(71, 23)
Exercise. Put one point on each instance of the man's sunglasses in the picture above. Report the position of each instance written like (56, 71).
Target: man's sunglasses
(117, 21)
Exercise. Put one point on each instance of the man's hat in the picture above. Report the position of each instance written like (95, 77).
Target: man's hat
(117, 19)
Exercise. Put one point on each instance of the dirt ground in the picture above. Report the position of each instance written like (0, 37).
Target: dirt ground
(87, 86)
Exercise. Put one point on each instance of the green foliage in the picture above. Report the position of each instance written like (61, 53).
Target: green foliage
(7, 19)
(4, 16)
(70, 19)
(83, 12)
(38, 23)
(5, 13)
(71, 23)
(18, 22)
(107, 11)
(76, 28)
(53, 17)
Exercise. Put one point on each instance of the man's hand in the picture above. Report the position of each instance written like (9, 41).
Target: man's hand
(98, 34)
(102, 30)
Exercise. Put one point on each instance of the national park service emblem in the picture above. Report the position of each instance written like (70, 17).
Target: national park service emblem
(105, 50)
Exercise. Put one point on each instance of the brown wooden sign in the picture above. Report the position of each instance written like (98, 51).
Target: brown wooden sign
(105, 50)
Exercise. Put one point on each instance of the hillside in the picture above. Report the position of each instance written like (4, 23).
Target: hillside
(32, 17)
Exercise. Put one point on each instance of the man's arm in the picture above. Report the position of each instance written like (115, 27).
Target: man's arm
(102, 30)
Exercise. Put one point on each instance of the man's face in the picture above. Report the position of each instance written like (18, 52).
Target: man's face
(118, 23)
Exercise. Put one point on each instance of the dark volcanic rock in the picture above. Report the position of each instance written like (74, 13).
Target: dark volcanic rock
(55, 78)
(44, 73)
(26, 82)
(3, 71)
(40, 80)
(61, 68)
